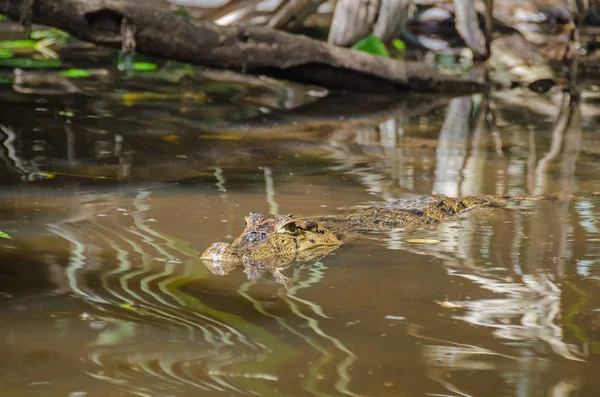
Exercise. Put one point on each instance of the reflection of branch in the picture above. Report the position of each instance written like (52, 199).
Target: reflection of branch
(220, 184)
(42, 83)
(379, 132)
(443, 359)
(442, 377)
(558, 131)
(354, 165)
(473, 174)
(565, 388)
(14, 161)
(342, 368)
(270, 190)
(295, 303)
(452, 147)
(537, 303)
(531, 159)
(336, 111)
(530, 304)
(135, 292)
(572, 147)
(567, 132)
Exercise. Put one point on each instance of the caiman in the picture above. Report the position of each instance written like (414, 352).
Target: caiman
(272, 244)
(275, 243)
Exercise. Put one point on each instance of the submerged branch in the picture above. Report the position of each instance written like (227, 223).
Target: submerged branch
(255, 50)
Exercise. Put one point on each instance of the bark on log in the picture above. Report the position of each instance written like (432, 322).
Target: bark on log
(256, 50)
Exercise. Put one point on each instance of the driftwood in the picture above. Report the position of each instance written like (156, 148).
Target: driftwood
(467, 25)
(353, 20)
(292, 14)
(256, 50)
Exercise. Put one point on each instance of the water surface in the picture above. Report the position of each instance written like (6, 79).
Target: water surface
(110, 194)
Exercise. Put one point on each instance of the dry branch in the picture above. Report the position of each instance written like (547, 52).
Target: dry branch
(256, 50)
(292, 14)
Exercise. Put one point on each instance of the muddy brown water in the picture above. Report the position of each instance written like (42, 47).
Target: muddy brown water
(109, 199)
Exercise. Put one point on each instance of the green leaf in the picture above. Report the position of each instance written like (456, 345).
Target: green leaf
(66, 113)
(5, 44)
(373, 45)
(399, 44)
(182, 13)
(143, 66)
(75, 73)
(3, 17)
(4, 235)
(30, 63)
(42, 34)
(6, 53)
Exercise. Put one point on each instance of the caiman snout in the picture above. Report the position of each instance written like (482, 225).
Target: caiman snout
(274, 243)
(220, 252)
(220, 258)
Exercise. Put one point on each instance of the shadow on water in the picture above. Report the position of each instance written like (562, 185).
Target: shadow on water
(111, 192)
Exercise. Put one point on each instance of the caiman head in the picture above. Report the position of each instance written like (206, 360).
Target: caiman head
(273, 243)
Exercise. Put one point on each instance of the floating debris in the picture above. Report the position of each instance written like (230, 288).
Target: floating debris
(85, 316)
(245, 375)
(127, 306)
(397, 318)
(422, 241)
(449, 305)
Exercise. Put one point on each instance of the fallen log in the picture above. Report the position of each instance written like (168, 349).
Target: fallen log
(256, 50)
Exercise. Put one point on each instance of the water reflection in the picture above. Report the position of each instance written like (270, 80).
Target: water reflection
(132, 277)
(468, 149)
(112, 207)
(142, 292)
(528, 308)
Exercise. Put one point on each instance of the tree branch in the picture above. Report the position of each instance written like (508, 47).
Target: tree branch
(256, 50)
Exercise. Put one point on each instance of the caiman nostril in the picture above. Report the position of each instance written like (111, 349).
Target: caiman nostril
(218, 252)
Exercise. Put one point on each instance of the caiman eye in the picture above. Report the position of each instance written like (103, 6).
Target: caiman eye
(289, 228)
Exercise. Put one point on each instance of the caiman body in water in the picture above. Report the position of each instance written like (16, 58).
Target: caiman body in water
(278, 242)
